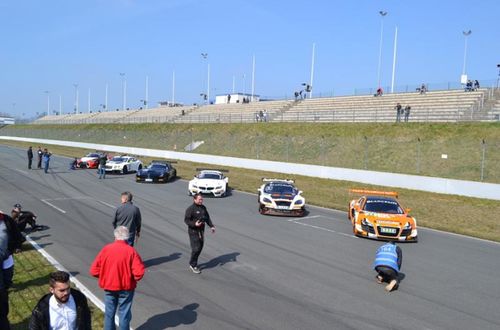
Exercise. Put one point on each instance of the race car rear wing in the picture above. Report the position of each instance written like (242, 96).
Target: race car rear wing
(211, 169)
(278, 180)
(374, 192)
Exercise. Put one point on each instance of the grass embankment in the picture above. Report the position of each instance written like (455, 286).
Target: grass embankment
(462, 215)
(412, 148)
(31, 282)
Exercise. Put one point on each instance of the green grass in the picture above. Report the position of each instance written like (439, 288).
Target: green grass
(463, 215)
(412, 148)
(31, 282)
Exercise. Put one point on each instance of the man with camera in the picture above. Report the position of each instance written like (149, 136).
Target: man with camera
(195, 218)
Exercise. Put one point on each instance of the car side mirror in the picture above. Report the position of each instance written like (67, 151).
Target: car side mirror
(407, 210)
(300, 192)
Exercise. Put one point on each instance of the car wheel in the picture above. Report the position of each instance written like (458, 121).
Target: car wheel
(125, 170)
(140, 167)
(261, 209)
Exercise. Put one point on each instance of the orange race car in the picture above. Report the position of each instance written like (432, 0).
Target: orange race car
(378, 215)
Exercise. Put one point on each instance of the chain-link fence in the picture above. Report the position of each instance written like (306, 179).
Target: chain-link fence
(451, 156)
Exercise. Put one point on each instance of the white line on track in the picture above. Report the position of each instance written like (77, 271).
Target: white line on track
(66, 198)
(325, 229)
(304, 218)
(20, 171)
(107, 204)
(52, 205)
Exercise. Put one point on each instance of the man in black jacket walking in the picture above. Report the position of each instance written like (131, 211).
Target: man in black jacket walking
(195, 218)
(62, 308)
(39, 152)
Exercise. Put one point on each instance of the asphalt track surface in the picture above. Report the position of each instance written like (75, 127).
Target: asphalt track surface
(258, 272)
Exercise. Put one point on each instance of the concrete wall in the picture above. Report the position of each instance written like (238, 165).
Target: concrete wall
(423, 183)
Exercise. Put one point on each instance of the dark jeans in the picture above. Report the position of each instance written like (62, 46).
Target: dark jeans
(46, 166)
(8, 275)
(121, 300)
(30, 161)
(39, 165)
(4, 304)
(196, 241)
(131, 238)
(388, 274)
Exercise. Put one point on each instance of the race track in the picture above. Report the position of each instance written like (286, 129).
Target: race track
(259, 272)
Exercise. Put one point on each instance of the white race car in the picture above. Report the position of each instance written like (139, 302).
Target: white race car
(280, 197)
(212, 182)
(123, 164)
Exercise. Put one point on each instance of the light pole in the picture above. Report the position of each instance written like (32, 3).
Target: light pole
(146, 98)
(76, 98)
(466, 34)
(124, 89)
(205, 57)
(382, 15)
(312, 70)
(48, 102)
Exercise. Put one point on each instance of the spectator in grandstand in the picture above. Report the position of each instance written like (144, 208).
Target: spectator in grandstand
(30, 157)
(407, 112)
(264, 115)
(228, 98)
(399, 110)
(379, 92)
(118, 267)
(422, 89)
(62, 308)
(468, 86)
(300, 95)
(296, 94)
(261, 115)
(40, 155)
(128, 215)
(476, 85)
(46, 159)
(387, 264)
(257, 117)
(101, 168)
(195, 218)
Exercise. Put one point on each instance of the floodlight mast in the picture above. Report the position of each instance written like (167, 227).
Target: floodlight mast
(382, 15)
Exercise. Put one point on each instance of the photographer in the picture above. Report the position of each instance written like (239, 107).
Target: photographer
(195, 218)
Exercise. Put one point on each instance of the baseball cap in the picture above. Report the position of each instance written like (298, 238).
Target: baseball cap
(17, 206)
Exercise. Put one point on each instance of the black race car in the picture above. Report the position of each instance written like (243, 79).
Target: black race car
(158, 171)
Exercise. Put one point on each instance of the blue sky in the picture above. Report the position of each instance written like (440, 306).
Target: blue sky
(50, 45)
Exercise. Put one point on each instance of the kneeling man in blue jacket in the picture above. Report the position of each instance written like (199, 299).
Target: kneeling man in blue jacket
(387, 263)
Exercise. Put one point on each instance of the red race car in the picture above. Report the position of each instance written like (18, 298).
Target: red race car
(89, 161)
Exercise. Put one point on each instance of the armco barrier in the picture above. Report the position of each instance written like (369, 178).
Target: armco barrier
(424, 183)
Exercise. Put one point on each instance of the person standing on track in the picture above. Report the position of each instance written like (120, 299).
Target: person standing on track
(118, 267)
(30, 157)
(388, 260)
(46, 160)
(101, 168)
(39, 152)
(128, 215)
(195, 218)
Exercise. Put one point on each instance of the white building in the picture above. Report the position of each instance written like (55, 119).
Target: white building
(235, 98)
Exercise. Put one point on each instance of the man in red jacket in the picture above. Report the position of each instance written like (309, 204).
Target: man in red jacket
(118, 267)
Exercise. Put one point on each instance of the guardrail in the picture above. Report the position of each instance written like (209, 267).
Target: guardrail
(414, 182)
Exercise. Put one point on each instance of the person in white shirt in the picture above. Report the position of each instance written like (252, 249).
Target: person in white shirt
(63, 308)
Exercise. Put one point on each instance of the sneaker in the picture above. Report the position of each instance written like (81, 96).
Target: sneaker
(379, 279)
(392, 284)
(195, 269)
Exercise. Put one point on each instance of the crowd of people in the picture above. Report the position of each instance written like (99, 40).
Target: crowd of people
(472, 86)
(43, 158)
(261, 116)
(402, 112)
(118, 268)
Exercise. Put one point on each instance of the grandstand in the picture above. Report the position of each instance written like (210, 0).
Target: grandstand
(435, 106)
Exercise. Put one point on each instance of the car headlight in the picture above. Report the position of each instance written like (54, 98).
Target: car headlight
(299, 202)
(365, 222)
(218, 187)
(407, 226)
(266, 200)
(195, 186)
